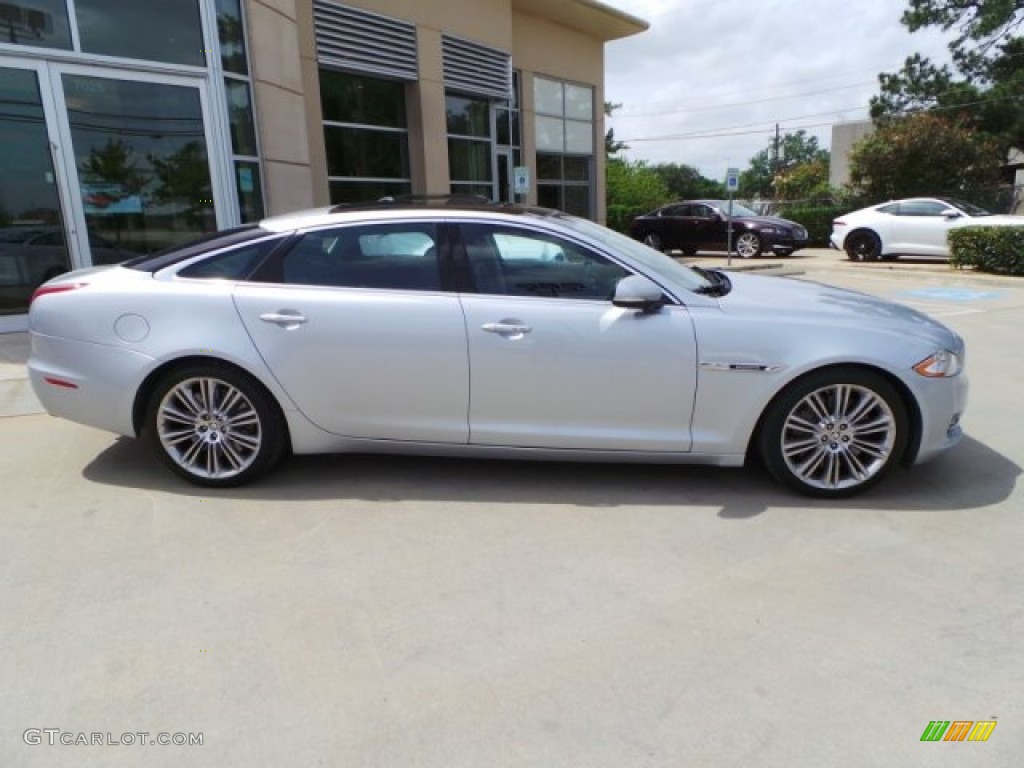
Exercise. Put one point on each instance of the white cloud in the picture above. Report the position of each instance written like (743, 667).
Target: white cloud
(741, 66)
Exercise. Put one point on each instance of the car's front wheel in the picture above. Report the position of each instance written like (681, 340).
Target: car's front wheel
(863, 246)
(748, 245)
(835, 433)
(214, 425)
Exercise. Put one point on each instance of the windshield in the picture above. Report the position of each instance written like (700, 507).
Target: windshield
(738, 211)
(968, 208)
(656, 263)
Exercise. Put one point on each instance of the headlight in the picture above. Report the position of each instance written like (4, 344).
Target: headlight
(942, 364)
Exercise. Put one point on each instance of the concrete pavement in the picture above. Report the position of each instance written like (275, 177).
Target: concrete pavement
(375, 611)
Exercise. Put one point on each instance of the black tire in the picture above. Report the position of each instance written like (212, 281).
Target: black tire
(863, 245)
(652, 240)
(748, 245)
(689, 251)
(214, 425)
(834, 433)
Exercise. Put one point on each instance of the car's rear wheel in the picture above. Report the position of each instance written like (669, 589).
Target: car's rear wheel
(651, 240)
(748, 245)
(863, 246)
(214, 425)
(835, 433)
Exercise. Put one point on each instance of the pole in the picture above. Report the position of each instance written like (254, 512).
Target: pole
(728, 258)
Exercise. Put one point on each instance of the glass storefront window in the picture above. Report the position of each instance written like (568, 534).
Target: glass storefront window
(42, 23)
(365, 153)
(547, 96)
(564, 130)
(365, 137)
(469, 160)
(468, 117)
(157, 30)
(349, 98)
(243, 128)
(32, 247)
(250, 190)
(231, 32)
(141, 155)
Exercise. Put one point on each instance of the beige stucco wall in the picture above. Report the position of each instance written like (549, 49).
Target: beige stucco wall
(280, 91)
(286, 85)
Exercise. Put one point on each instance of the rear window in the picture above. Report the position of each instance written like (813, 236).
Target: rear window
(233, 264)
(156, 261)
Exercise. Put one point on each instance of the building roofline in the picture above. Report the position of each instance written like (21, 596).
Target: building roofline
(591, 17)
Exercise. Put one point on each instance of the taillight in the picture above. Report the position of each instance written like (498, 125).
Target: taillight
(42, 290)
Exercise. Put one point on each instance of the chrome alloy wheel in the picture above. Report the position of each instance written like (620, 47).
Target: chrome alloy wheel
(748, 245)
(838, 436)
(209, 428)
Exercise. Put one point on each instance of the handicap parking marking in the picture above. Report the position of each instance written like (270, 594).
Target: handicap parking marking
(941, 310)
(953, 294)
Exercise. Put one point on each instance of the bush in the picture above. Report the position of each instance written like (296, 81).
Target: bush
(999, 250)
(619, 216)
(816, 219)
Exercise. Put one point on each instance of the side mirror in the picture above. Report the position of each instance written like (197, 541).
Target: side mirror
(637, 292)
(951, 213)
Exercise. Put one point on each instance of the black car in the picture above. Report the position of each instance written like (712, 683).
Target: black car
(703, 225)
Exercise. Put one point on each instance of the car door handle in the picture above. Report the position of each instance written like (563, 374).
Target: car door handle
(507, 329)
(284, 318)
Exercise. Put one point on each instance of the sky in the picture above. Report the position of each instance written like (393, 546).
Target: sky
(712, 67)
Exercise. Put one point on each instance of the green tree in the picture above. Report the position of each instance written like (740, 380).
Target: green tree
(611, 145)
(631, 188)
(806, 181)
(684, 182)
(925, 154)
(793, 149)
(986, 77)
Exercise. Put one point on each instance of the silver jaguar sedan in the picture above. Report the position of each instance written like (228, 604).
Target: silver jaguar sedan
(469, 329)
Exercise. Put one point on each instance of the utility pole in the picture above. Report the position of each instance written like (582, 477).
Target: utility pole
(776, 145)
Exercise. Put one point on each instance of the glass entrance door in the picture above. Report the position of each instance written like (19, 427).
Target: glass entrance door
(139, 163)
(33, 246)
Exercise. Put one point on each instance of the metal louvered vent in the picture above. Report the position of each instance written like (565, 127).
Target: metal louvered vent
(476, 69)
(364, 42)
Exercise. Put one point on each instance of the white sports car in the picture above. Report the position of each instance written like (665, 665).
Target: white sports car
(494, 331)
(913, 227)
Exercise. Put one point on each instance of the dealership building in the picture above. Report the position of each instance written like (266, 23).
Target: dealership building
(126, 127)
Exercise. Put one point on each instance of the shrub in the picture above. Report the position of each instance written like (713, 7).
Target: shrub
(619, 216)
(999, 250)
(816, 219)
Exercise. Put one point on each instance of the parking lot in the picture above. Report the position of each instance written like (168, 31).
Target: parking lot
(378, 611)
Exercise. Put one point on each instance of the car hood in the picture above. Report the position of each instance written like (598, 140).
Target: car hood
(801, 302)
(767, 220)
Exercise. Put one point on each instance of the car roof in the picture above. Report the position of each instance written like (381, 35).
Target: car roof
(399, 208)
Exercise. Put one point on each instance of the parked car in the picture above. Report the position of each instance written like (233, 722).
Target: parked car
(913, 227)
(703, 225)
(488, 331)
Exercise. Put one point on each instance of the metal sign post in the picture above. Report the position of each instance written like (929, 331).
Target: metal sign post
(732, 183)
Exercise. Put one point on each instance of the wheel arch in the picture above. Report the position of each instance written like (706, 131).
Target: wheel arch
(909, 401)
(148, 385)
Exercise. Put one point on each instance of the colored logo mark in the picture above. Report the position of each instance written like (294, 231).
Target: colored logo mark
(958, 730)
